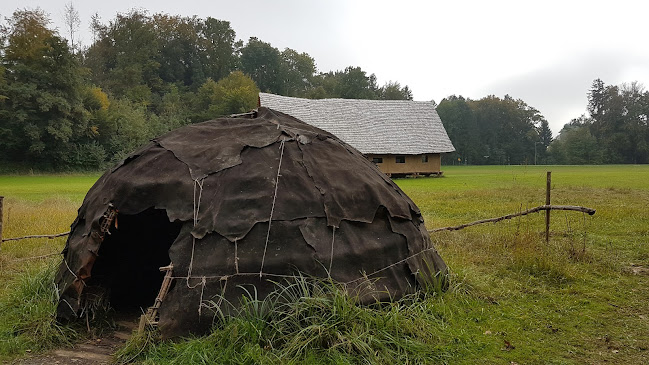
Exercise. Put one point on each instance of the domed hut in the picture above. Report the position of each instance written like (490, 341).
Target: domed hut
(251, 199)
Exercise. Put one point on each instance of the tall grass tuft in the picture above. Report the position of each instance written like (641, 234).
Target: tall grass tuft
(27, 314)
(309, 320)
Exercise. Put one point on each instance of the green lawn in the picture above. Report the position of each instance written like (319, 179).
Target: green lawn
(582, 298)
(556, 303)
(36, 188)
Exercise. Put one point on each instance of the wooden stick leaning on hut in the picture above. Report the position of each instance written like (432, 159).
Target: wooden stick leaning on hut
(590, 211)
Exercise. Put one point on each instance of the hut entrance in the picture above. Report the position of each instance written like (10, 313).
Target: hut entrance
(129, 261)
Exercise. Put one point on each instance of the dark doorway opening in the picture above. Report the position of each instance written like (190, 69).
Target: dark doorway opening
(128, 265)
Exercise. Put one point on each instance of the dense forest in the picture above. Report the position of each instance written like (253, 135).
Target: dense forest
(507, 131)
(63, 106)
(494, 131)
(615, 131)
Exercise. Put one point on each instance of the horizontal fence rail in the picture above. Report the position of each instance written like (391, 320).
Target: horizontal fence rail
(589, 211)
(49, 236)
(540, 208)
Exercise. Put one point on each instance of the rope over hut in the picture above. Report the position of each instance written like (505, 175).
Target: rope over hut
(237, 201)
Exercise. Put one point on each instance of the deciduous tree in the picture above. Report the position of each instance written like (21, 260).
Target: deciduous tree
(393, 91)
(297, 72)
(262, 62)
(234, 94)
(42, 108)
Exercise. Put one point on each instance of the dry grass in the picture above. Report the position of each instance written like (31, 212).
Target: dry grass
(24, 218)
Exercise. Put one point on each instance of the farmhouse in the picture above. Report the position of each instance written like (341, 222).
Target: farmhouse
(401, 137)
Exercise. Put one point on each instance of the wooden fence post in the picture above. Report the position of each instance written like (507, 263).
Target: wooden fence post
(548, 186)
(2, 198)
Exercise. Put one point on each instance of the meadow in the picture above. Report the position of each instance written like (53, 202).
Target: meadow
(513, 298)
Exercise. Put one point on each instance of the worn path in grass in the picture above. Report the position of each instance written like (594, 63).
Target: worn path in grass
(97, 350)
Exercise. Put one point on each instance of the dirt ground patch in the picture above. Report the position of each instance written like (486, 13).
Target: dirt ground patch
(95, 351)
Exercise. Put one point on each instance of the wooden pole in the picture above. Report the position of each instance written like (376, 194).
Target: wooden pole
(2, 198)
(548, 186)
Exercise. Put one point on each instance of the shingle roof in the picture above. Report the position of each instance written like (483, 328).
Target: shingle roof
(371, 126)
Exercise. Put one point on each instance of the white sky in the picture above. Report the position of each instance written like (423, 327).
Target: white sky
(544, 52)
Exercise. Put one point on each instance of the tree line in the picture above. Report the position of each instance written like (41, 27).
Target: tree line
(63, 106)
(67, 107)
(508, 131)
(614, 132)
(494, 130)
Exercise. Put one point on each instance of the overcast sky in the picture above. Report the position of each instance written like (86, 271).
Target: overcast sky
(544, 52)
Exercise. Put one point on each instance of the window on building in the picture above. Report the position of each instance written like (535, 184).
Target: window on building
(400, 159)
(377, 159)
(424, 158)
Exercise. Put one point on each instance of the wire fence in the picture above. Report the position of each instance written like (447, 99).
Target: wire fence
(546, 208)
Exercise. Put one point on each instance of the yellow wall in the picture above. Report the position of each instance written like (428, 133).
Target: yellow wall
(413, 164)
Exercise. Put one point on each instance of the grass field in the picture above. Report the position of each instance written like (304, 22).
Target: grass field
(582, 298)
